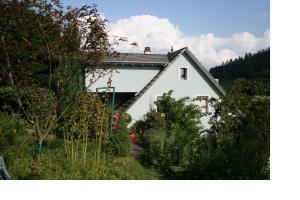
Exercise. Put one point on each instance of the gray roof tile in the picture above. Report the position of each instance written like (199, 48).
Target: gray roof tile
(137, 58)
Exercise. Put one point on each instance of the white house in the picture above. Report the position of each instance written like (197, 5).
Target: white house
(140, 79)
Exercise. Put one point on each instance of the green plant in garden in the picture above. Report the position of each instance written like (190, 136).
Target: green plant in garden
(170, 132)
(119, 141)
(237, 146)
(87, 119)
(39, 109)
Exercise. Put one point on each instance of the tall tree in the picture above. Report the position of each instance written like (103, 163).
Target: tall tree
(46, 45)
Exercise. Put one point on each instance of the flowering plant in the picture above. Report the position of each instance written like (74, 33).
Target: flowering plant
(119, 139)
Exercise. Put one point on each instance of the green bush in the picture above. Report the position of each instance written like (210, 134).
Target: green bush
(17, 145)
(119, 141)
(8, 100)
(19, 158)
(128, 169)
(170, 133)
(237, 146)
(85, 121)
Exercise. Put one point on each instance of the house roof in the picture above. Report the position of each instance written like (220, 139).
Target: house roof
(137, 58)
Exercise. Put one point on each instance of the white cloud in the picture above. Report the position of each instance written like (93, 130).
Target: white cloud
(160, 34)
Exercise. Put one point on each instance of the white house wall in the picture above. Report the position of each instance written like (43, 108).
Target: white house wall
(196, 85)
(129, 78)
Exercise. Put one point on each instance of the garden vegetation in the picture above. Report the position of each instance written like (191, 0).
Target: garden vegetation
(51, 127)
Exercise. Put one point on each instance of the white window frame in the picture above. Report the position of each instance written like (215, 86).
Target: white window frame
(187, 73)
(153, 104)
(156, 97)
(207, 103)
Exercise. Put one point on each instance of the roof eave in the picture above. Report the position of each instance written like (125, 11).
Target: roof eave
(206, 73)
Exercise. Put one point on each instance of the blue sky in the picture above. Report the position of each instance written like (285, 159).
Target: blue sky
(214, 30)
(221, 17)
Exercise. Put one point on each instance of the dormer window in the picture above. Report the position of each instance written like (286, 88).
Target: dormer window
(183, 73)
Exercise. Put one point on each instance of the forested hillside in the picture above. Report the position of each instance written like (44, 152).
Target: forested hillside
(251, 66)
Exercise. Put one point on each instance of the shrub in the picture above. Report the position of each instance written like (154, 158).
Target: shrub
(34, 104)
(171, 132)
(17, 145)
(8, 100)
(84, 120)
(237, 146)
(119, 140)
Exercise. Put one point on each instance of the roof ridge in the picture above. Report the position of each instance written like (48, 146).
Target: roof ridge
(173, 55)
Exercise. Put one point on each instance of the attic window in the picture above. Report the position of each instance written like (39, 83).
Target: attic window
(183, 73)
(202, 102)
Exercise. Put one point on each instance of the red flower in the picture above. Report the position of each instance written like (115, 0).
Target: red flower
(140, 131)
(114, 123)
(142, 136)
(125, 116)
(132, 137)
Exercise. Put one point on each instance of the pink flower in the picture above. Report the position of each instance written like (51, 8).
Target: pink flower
(125, 116)
(132, 137)
(114, 123)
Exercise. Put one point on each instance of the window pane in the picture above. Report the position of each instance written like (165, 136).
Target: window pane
(183, 73)
(202, 102)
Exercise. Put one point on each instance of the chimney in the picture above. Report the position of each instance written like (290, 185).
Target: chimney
(147, 49)
(172, 49)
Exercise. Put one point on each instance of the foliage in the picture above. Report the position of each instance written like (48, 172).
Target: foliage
(8, 100)
(46, 53)
(171, 132)
(38, 106)
(18, 156)
(129, 169)
(179, 112)
(10, 127)
(251, 67)
(86, 119)
(237, 146)
(38, 37)
(119, 141)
